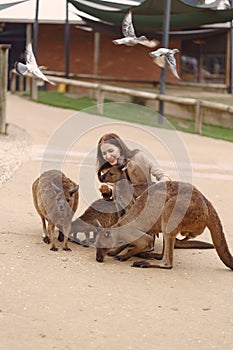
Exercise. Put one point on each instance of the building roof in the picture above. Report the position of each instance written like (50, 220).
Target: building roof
(148, 14)
(50, 11)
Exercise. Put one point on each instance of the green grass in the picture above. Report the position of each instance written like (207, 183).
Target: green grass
(131, 113)
(143, 115)
(58, 99)
(213, 131)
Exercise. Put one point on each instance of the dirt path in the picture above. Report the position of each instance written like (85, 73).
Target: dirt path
(68, 301)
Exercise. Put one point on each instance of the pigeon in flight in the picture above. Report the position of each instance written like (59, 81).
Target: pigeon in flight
(31, 65)
(130, 38)
(165, 56)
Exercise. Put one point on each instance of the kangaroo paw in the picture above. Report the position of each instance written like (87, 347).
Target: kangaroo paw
(145, 264)
(111, 254)
(142, 264)
(120, 258)
(54, 249)
(148, 255)
(67, 249)
(46, 239)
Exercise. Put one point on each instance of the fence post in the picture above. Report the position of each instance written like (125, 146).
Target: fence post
(21, 84)
(12, 81)
(28, 84)
(198, 118)
(4, 49)
(100, 100)
(34, 90)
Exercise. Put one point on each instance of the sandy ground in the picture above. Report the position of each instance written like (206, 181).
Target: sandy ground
(66, 300)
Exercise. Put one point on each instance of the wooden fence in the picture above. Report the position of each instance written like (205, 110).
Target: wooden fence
(199, 107)
(4, 52)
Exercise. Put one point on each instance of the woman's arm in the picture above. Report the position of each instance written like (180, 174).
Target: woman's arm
(150, 168)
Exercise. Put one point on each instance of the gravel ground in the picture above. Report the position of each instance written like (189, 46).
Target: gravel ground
(68, 301)
(14, 150)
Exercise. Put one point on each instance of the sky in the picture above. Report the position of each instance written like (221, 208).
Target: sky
(48, 9)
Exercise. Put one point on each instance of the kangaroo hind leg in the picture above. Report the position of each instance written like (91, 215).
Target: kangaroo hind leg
(167, 260)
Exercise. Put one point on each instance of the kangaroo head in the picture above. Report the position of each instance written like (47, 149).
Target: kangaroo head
(61, 200)
(113, 173)
(104, 241)
(64, 196)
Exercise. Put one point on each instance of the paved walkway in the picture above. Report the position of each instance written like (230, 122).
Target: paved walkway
(68, 301)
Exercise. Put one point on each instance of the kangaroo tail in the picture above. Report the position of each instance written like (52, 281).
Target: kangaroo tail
(218, 237)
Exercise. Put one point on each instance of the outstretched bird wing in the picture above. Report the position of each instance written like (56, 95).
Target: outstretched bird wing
(164, 55)
(149, 43)
(160, 61)
(33, 66)
(30, 58)
(37, 72)
(127, 26)
(171, 62)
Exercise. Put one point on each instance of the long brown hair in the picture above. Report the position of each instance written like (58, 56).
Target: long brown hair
(115, 140)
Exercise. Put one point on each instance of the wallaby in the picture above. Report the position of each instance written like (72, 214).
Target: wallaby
(105, 211)
(56, 199)
(170, 207)
(130, 191)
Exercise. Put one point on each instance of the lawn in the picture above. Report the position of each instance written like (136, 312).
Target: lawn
(131, 113)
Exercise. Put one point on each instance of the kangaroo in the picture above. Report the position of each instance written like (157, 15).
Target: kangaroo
(114, 174)
(130, 191)
(170, 207)
(105, 211)
(55, 198)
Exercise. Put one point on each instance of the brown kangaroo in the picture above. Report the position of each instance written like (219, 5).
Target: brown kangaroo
(105, 211)
(55, 198)
(170, 207)
(117, 175)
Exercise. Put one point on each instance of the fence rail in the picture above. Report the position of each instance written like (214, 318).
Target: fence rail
(199, 107)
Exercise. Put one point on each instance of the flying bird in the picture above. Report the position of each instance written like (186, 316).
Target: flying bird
(31, 66)
(130, 38)
(165, 56)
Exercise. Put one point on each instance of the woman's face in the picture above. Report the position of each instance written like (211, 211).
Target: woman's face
(110, 153)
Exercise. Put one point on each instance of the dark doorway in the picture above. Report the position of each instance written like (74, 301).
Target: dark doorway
(15, 35)
(203, 60)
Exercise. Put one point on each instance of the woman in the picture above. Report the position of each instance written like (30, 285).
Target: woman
(111, 148)
(140, 169)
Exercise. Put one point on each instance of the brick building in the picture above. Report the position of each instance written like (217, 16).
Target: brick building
(202, 58)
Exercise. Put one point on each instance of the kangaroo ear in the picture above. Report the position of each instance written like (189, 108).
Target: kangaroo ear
(97, 225)
(75, 189)
(105, 167)
(122, 163)
(55, 188)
